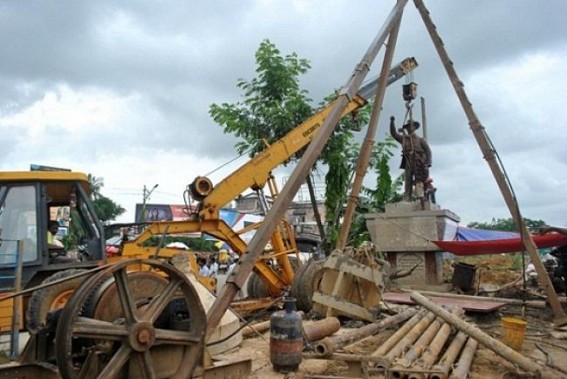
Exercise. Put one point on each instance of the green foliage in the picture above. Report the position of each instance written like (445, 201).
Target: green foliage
(96, 185)
(507, 224)
(107, 209)
(387, 190)
(340, 154)
(273, 102)
(370, 200)
(69, 241)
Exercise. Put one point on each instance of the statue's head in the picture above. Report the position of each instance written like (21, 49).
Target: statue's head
(411, 126)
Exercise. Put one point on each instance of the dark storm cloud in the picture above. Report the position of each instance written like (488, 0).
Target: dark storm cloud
(172, 60)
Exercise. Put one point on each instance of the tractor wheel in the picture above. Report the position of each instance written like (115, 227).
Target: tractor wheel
(148, 324)
(50, 298)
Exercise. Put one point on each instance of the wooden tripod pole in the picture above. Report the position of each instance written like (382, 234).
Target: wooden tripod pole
(494, 164)
(247, 261)
(366, 149)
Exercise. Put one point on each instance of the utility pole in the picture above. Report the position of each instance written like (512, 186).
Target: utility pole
(145, 197)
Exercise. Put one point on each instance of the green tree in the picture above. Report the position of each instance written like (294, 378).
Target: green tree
(96, 185)
(273, 102)
(273, 105)
(506, 224)
(371, 200)
(105, 209)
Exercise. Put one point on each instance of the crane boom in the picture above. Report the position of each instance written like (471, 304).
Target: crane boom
(256, 172)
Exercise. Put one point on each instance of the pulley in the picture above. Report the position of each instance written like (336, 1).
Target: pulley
(409, 91)
(200, 187)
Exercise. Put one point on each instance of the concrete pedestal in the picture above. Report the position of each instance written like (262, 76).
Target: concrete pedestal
(405, 232)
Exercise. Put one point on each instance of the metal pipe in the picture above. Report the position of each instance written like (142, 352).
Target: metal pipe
(329, 345)
(494, 345)
(407, 340)
(258, 328)
(465, 360)
(17, 304)
(321, 328)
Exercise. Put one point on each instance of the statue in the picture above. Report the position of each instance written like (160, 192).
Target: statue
(416, 159)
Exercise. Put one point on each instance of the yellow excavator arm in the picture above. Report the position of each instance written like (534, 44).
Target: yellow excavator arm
(256, 172)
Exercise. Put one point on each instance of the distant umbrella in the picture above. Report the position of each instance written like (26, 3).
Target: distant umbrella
(177, 245)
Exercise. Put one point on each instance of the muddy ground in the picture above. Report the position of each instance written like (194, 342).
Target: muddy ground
(495, 272)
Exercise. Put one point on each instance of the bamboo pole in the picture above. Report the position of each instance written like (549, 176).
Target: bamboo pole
(368, 143)
(465, 360)
(444, 365)
(399, 334)
(432, 351)
(483, 338)
(540, 304)
(419, 346)
(407, 340)
(495, 165)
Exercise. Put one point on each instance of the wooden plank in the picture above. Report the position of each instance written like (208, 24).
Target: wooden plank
(467, 304)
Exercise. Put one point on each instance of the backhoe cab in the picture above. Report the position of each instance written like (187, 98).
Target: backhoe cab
(29, 200)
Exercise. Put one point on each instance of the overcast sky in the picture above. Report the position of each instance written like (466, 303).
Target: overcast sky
(122, 90)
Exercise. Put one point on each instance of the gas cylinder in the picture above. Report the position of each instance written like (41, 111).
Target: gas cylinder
(286, 337)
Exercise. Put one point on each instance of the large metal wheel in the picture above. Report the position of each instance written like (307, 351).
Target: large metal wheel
(146, 322)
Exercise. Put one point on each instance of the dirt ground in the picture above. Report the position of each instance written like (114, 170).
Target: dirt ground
(494, 272)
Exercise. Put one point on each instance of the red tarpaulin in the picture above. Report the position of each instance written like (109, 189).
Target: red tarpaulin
(508, 245)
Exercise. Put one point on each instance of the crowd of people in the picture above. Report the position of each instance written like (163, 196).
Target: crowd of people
(210, 267)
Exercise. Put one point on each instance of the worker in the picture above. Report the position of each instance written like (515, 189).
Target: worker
(204, 267)
(559, 252)
(549, 229)
(416, 157)
(214, 267)
(52, 241)
(232, 265)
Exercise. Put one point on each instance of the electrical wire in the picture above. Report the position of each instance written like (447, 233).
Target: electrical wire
(246, 322)
(229, 162)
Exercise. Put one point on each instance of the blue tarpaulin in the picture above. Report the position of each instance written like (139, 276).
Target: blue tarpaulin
(471, 234)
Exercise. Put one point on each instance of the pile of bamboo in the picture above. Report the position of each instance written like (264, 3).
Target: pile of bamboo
(432, 342)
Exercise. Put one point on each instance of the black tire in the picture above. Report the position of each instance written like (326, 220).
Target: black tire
(256, 287)
(296, 289)
(306, 283)
(250, 286)
(51, 298)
